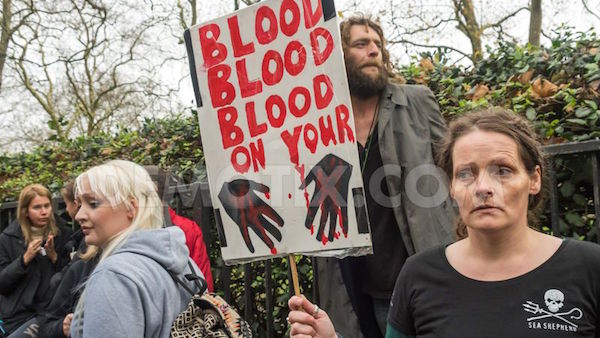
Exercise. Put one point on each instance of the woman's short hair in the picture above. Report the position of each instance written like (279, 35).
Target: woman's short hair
(506, 122)
(120, 182)
(25, 197)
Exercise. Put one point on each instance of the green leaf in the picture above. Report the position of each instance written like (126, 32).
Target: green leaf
(574, 219)
(563, 226)
(567, 189)
(582, 112)
(591, 104)
(52, 124)
(577, 121)
(531, 114)
(580, 200)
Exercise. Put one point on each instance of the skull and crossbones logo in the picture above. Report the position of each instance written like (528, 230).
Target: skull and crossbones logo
(554, 300)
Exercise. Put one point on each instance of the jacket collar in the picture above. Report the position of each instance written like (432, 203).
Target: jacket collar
(392, 95)
(396, 94)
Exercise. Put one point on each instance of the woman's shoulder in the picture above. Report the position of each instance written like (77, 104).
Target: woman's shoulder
(130, 265)
(13, 230)
(432, 257)
(578, 249)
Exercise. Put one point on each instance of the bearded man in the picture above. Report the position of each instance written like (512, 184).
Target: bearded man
(407, 197)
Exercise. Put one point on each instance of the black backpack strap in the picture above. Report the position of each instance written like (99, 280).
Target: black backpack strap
(199, 281)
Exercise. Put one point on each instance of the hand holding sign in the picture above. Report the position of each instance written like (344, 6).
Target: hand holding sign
(247, 209)
(331, 176)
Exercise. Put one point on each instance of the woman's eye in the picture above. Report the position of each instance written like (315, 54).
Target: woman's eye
(94, 204)
(464, 174)
(503, 171)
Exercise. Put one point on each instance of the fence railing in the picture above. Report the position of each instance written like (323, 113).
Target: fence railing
(590, 149)
(195, 198)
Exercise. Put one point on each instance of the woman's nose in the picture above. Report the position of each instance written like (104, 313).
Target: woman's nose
(80, 216)
(483, 187)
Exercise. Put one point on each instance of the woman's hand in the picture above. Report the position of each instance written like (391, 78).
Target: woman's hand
(67, 325)
(32, 249)
(50, 251)
(307, 320)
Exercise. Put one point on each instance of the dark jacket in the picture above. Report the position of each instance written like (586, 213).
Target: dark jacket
(65, 298)
(408, 126)
(25, 290)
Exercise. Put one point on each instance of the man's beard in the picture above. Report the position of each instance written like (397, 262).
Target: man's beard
(363, 85)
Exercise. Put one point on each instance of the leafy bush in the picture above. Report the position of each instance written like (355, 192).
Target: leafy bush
(557, 88)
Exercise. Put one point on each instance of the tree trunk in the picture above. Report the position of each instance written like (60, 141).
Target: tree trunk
(535, 22)
(467, 23)
(5, 35)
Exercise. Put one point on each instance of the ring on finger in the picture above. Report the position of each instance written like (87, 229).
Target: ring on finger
(315, 311)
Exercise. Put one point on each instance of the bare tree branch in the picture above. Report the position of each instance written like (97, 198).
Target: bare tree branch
(7, 28)
(502, 20)
(587, 8)
(404, 41)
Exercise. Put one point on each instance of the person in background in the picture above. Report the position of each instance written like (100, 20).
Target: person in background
(56, 321)
(32, 249)
(503, 278)
(397, 127)
(77, 243)
(68, 194)
(131, 292)
(193, 233)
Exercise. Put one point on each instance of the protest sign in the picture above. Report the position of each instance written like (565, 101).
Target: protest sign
(278, 132)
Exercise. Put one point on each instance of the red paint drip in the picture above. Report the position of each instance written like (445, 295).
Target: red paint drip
(268, 195)
(324, 239)
(337, 235)
(290, 196)
(312, 229)
(340, 221)
(300, 170)
(273, 251)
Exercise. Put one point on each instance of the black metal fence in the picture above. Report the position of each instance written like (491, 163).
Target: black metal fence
(590, 149)
(195, 199)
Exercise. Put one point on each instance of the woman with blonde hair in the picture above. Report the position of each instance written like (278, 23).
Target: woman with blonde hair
(31, 251)
(131, 292)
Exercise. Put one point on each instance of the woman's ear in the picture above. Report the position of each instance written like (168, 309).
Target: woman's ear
(131, 212)
(536, 181)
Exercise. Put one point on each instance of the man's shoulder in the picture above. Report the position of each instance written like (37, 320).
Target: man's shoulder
(186, 224)
(408, 89)
(408, 94)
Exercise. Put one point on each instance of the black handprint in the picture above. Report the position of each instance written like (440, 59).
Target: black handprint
(247, 209)
(331, 176)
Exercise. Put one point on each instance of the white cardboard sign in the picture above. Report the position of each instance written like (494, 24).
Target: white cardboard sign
(278, 132)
